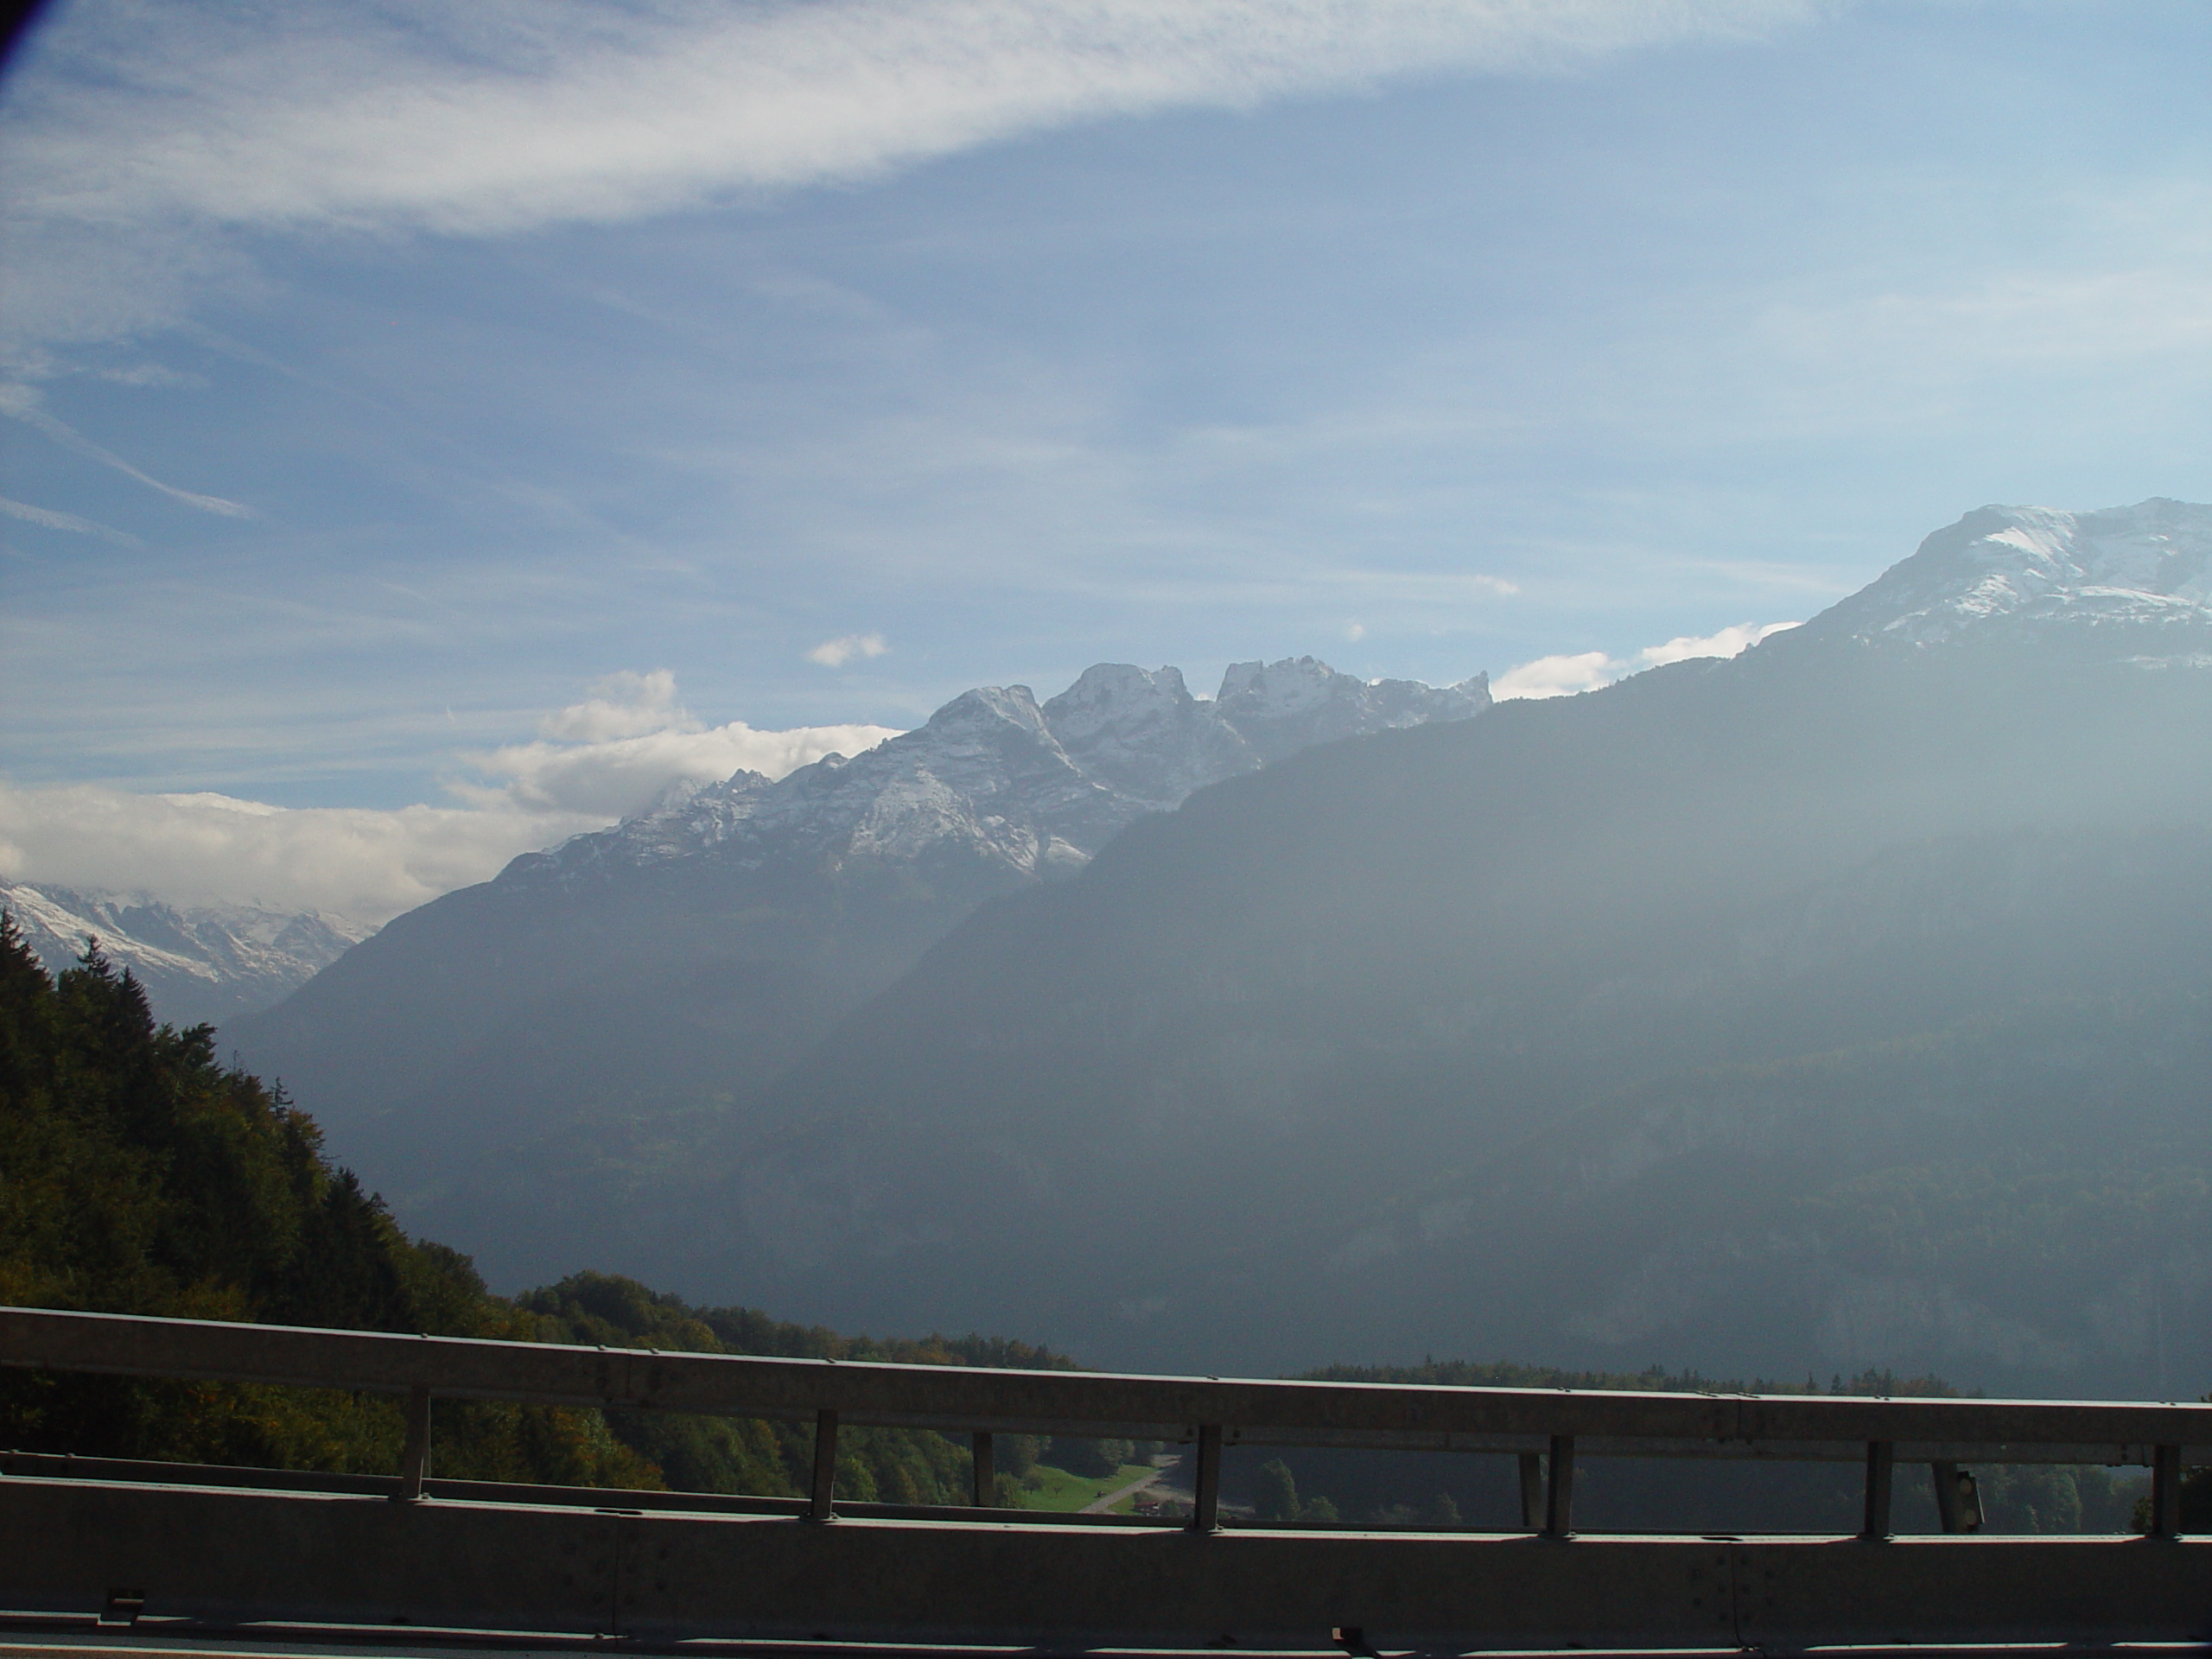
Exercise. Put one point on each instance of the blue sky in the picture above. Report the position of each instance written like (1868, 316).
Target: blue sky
(384, 380)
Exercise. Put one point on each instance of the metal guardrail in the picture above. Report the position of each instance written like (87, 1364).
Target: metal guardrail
(1548, 1430)
(1560, 1425)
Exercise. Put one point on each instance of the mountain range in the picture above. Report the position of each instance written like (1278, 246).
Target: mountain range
(198, 965)
(676, 965)
(1844, 1003)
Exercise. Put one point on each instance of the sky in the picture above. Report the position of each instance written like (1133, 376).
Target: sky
(434, 429)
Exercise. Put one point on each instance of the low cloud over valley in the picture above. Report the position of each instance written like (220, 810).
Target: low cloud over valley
(626, 745)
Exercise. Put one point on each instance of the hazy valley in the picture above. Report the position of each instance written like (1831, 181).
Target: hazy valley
(1754, 1013)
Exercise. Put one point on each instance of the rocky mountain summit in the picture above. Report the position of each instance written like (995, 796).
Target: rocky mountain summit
(205, 963)
(2141, 574)
(1035, 788)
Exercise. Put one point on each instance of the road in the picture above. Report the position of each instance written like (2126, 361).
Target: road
(1105, 1505)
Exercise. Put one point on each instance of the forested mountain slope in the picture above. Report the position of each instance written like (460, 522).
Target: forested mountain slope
(139, 1175)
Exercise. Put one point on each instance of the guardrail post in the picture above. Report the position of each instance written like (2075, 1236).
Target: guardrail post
(415, 1460)
(987, 1480)
(1559, 1506)
(1205, 1507)
(823, 1506)
(1531, 1491)
(1881, 1466)
(2165, 1491)
(1958, 1499)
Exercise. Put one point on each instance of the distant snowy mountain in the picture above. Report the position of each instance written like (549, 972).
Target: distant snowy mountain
(1034, 789)
(2141, 575)
(206, 964)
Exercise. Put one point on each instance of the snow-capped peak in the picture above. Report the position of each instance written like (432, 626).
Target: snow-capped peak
(1281, 708)
(1117, 702)
(2142, 570)
(205, 963)
(984, 710)
(1283, 687)
(1030, 788)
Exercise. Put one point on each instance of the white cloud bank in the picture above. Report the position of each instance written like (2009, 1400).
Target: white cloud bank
(598, 760)
(631, 740)
(146, 128)
(1565, 676)
(357, 863)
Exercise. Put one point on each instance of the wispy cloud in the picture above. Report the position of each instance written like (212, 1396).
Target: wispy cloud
(2026, 318)
(835, 653)
(498, 117)
(20, 403)
(53, 520)
(611, 754)
(1566, 675)
(142, 122)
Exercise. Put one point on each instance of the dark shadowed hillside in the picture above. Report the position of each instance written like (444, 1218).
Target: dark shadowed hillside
(1840, 1004)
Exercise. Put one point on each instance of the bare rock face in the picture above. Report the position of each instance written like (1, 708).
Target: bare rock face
(1142, 735)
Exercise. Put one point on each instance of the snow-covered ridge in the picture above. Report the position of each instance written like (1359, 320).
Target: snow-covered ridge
(204, 964)
(2146, 570)
(1038, 788)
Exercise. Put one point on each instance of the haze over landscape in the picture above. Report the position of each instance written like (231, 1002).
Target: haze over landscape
(1233, 688)
(1673, 1021)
